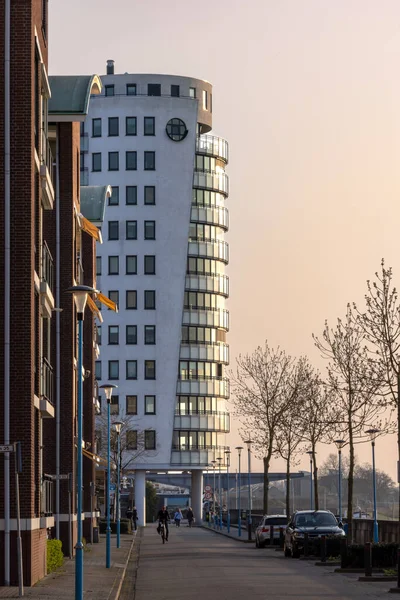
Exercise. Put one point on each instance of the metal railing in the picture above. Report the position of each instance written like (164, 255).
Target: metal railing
(214, 282)
(47, 381)
(188, 412)
(212, 215)
(47, 156)
(47, 497)
(183, 447)
(213, 145)
(215, 181)
(47, 266)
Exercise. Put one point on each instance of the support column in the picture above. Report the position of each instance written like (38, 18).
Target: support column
(140, 496)
(197, 495)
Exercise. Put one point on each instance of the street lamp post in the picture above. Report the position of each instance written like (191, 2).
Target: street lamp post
(239, 449)
(108, 390)
(80, 294)
(310, 454)
(219, 459)
(118, 425)
(228, 508)
(214, 462)
(339, 446)
(249, 442)
(372, 434)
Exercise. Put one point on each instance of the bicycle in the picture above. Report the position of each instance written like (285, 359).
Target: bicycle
(162, 531)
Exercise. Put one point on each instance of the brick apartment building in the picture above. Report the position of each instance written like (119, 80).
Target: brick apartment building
(51, 248)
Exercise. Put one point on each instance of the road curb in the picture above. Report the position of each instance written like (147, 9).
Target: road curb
(227, 535)
(118, 593)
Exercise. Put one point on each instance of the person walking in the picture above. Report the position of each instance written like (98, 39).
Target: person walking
(177, 517)
(190, 516)
(129, 514)
(134, 517)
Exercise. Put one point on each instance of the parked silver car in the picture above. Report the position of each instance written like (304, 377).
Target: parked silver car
(263, 531)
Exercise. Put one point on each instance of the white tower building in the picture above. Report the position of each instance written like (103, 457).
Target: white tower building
(163, 261)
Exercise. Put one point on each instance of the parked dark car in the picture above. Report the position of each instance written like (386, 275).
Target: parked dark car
(263, 531)
(316, 523)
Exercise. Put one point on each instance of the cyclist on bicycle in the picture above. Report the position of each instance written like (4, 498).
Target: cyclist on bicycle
(163, 517)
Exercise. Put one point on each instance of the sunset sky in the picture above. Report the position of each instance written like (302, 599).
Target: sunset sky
(307, 92)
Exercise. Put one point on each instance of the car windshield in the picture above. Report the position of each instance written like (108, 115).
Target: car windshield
(276, 521)
(315, 520)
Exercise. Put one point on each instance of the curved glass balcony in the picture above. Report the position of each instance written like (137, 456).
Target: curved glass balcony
(211, 215)
(217, 284)
(203, 387)
(197, 455)
(206, 421)
(215, 352)
(217, 249)
(213, 146)
(217, 317)
(218, 182)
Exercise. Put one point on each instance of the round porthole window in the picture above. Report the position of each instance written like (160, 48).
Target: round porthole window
(176, 130)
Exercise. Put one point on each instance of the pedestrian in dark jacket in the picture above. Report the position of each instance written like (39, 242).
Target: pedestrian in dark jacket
(190, 516)
(134, 517)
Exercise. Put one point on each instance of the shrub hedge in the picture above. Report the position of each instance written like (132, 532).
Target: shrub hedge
(125, 526)
(383, 556)
(55, 558)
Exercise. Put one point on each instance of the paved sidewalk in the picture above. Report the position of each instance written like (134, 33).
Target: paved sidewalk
(99, 583)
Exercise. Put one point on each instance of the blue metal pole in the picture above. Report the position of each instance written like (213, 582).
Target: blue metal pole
(214, 511)
(118, 495)
(376, 533)
(228, 523)
(79, 544)
(311, 484)
(249, 483)
(220, 496)
(239, 509)
(340, 484)
(108, 530)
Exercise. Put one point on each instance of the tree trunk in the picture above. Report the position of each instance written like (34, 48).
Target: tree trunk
(266, 461)
(315, 475)
(287, 487)
(350, 489)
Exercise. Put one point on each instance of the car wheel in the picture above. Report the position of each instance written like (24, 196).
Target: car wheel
(286, 551)
(295, 551)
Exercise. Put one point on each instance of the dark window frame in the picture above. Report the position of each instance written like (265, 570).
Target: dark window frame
(131, 86)
(149, 187)
(110, 364)
(146, 224)
(130, 412)
(131, 187)
(110, 343)
(132, 224)
(147, 412)
(111, 155)
(130, 154)
(96, 155)
(127, 120)
(126, 370)
(97, 120)
(153, 292)
(130, 256)
(111, 225)
(113, 120)
(175, 88)
(146, 156)
(153, 328)
(135, 335)
(152, 122)
(146, 366)
(113, 200)
(109, 88)
(126, 300)
(146, 271)
(154, 89)
(109, 263)
(147, 444)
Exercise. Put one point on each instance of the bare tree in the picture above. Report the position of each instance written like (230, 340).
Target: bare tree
(354, 378)
(262, 394)
(381, 325)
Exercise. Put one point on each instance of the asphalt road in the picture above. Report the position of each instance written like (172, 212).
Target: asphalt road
(200, 565)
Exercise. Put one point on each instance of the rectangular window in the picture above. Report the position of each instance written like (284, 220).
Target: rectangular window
(149, 299)
(130, 126)
(205, 100)
(113, 126)
(149, 439)
(149, 265)
(131, 89)
(131, 299)
(131, 194)
(113, 335)
(113, 161)
(149, 230)
(131, 335)
(109, 90)
(131, 405)
(113, 369)
(131, 439)
(192, 92)
(131, 265)
(96, 161)
(97, 370)
(113, 265)
(96, 127)
(114, 296)
(149, 126)
(131, 230)
(149, 369)
(130, 160)
(150, 334)
(131, 369)
(149, 161)
(149, 405)
(98, 265)
(154, 89)
(114, 198)
(149, 194)
(175, 92)
(98, 334)
(113, 230)
(114, 405)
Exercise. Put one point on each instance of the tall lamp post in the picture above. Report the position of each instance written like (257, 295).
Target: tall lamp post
(118, 425)
(108, 390)
(310, 454)
(228, 507)
(214, 462)
(248, 443)
(80, 294)
(239, 449)
(219, 459)
(372, 434)
(339, 446)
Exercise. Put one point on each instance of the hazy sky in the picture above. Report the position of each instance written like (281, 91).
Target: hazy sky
(307, 92)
